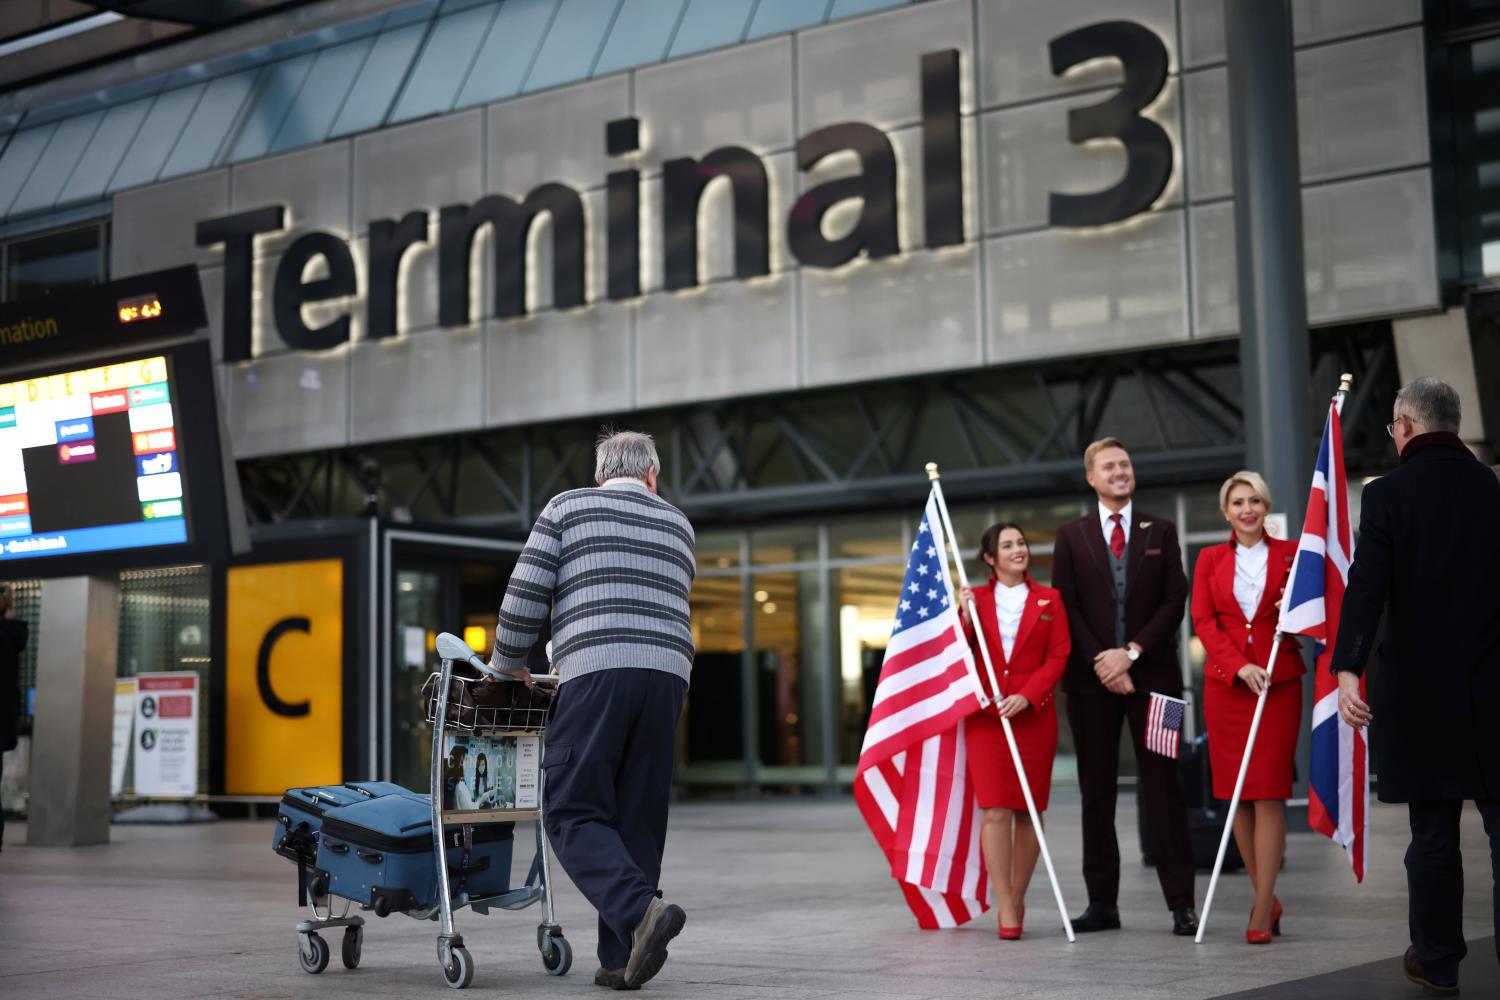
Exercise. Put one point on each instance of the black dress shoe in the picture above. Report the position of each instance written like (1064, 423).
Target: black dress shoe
(1097, 918)
(1412, 966)
(1184, 921)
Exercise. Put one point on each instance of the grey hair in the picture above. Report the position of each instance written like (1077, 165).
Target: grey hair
(1431, 403)
(624, 453)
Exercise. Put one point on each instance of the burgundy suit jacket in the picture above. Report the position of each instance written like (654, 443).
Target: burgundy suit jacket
(1155, 597)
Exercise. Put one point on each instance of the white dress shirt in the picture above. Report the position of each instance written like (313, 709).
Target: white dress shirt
(1250, 575)
(1108, 526)
(1010, 603)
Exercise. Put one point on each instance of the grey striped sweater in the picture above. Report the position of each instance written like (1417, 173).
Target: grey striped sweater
(613, 567)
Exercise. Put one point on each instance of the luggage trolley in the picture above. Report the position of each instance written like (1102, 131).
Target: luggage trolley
(518, 720)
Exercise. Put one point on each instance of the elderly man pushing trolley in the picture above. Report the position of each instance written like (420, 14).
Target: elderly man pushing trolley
(612, 567)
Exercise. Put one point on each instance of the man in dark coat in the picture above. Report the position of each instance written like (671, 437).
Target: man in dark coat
(13, 634)
(1428, 556)
(1121, 578)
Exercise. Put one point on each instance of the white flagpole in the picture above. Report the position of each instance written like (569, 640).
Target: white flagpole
(1010, 737)
(1345, 381)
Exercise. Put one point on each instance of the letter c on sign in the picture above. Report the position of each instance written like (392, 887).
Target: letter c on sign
(263, 668)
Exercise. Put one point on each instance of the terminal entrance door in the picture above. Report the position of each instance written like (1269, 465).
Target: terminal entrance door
(433, 583)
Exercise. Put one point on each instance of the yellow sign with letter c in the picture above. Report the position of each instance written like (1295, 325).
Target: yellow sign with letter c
(284, 684)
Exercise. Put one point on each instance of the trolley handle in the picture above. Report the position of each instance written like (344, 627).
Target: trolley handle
(451, 647)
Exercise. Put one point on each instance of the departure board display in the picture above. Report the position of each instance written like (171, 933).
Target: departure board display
(91, 460)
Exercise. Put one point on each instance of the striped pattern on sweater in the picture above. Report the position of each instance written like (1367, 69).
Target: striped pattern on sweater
(612, 567)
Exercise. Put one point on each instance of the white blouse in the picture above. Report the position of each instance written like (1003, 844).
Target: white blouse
(1250, 575)
(1010, 603)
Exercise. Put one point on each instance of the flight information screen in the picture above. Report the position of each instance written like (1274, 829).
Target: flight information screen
(91, 461)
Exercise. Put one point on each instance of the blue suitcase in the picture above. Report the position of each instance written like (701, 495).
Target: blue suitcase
(379, 853)
(300, 815)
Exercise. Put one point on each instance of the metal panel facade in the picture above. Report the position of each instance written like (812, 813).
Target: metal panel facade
(1017, 289)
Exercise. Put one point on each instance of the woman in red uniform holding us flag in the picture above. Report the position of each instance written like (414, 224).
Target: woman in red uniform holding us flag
(1237, 590)
(1026, 629)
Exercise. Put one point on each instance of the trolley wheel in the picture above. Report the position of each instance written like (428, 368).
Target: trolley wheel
(319, 949)
(460, 972)
(354, 939)
(557, 956)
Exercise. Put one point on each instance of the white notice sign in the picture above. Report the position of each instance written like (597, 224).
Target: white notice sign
(120, 752)
(528, 766)
(166, 735)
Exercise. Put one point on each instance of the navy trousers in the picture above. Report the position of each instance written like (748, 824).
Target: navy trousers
(608, 763)
(1435, 883)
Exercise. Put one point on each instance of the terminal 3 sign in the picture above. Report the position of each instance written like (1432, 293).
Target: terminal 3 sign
(1140, 52)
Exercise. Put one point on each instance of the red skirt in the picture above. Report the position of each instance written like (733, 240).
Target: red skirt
(991, 768)
(1228, 711)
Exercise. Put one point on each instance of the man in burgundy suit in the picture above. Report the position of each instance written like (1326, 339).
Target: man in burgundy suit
(1120, 573)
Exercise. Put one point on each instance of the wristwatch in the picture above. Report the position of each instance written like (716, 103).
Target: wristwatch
(1132, 654)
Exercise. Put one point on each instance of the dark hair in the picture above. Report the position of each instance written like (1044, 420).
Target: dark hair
(990, 542)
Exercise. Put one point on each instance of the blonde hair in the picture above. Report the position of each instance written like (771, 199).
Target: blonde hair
(1246, 478)
(1098, 446)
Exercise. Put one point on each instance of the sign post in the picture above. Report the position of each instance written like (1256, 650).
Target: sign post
(166, 740)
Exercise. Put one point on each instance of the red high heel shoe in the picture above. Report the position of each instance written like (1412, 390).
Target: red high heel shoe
(1257, 937)
(1276, 913)
(1010, 933)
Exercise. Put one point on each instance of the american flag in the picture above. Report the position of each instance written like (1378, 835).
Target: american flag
(1339, 775)
(912, 784)
(1164, 724)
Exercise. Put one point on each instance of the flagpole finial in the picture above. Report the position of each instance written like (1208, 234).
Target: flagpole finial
(932, 470)
(1346, 381)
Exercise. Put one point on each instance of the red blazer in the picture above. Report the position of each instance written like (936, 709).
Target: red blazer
(1042, 643)
(1221, 624)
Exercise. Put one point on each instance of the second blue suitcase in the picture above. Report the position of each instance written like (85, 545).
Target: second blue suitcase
(300, 815)
(379, 853)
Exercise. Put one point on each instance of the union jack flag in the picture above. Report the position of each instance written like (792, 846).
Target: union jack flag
(1339, 779)
(912, 783)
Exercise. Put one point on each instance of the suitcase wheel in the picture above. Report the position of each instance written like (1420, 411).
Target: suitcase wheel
(557, 955)
(460, 972)
(312, 953)
(354, 939)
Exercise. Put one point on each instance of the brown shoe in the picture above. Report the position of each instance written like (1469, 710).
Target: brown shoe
(611, 978)
(648, 945)
(1412, 966)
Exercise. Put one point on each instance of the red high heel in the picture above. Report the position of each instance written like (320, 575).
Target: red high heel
(1257, 937)
(1276, 913)
(1010, 933)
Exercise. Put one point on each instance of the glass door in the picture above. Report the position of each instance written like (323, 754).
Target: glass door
(422, 602)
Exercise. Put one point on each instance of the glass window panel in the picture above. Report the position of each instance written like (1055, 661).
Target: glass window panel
(507, 52)
(866, 600)
(717, 551)
(852, 8)
(19, 160)
(787, 628)
(164, 625)
(867, 538)
(711, 24)
(153, 140)
(106, 150)
(640, 34)
(278, 90)
(712, 734)
(446, 59)
(53, 263)
(450, 6)
(56, 164)
(322, 95)
(773, 17)
(572, 42)
(378, 79)
(215, 115)
(795, 543)
(419, 611)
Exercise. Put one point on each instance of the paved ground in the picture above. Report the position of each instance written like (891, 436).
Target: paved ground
(785, 899)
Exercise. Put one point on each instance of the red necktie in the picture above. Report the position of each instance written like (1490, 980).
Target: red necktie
(1117, 537)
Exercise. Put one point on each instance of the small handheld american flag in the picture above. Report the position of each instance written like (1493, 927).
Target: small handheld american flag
(1164, 724)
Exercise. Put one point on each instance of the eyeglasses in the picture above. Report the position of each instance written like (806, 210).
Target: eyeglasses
(1390, 428)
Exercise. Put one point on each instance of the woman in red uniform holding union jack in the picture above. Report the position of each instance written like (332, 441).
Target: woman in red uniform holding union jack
(1026, 630)
(1237, 589)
